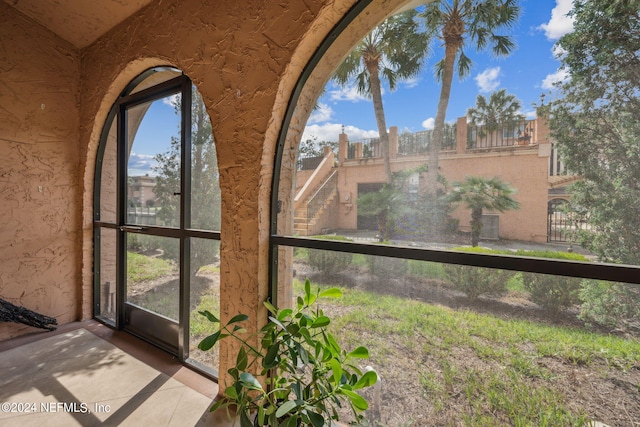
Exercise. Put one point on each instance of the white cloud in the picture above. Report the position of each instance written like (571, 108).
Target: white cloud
(171, 100)
(411, 83)
(331, 132)
(429, 123)
(559, 24)
(558, 51)
(559, 76)
(321, 114)
(140, 164)
(349, 93)
(488, 80)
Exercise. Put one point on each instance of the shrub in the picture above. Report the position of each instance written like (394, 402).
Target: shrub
(329, 262)
(426, 269)
(552, 292)
(476, 281)
(610, 304)
(386, 268)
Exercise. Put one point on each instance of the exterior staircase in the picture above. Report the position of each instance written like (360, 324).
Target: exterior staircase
(308, 215)
(314, 201)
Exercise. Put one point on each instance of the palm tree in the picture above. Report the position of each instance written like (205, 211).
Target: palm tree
(455, 22)
(393, 51)
(501, 108)
(480, 193)
(500, 112)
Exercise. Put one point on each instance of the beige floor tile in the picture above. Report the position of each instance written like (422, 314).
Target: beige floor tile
(101, 383)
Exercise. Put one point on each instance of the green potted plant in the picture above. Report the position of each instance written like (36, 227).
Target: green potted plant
(306, 375)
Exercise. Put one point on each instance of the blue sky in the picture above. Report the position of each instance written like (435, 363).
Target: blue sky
(527, 73)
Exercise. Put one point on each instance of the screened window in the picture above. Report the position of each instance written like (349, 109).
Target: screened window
(472, 294)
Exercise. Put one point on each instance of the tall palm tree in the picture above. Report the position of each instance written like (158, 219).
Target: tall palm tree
(501, 108)
(457, 22)
(393, 51)
(480, 193)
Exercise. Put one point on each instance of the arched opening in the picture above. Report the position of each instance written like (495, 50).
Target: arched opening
(402, 280)
(157, 215)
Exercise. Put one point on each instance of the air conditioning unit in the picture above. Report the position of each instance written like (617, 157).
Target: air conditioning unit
(490, 227)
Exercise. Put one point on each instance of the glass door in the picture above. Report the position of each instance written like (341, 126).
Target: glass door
(157, 217)
(152, 224)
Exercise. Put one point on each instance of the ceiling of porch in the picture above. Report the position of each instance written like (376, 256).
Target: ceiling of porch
(80, 22)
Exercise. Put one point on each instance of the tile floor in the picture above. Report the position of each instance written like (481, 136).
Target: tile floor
(86, 374)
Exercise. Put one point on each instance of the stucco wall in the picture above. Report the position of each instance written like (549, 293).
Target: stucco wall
(245, 58)
(39, 171)
(524, 169)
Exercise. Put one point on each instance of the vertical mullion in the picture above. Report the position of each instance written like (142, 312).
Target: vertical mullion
(121, 206)
(185, 220)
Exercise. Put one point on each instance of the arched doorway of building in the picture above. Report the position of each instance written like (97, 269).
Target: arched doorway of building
(157, 215)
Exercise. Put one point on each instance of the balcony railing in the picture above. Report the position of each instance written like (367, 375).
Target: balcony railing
(418, 143)
(517, 132)
(370, 148)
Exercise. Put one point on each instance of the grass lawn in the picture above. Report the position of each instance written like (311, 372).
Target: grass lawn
(441, 366)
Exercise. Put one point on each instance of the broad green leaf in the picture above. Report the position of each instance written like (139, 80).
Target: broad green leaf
(210, 316)
(284, 313)
(337, 370)
(297, 390)
(307, 289)
(277, 322)
(269, 360)
(331, 293)
(238, 318)
(261, 415)
(316, 419)
(334, 346)
(320, 322)
(242, 359)
(209, 342)
(219, 403)
(286, 407)
(231, 392)
(292, 422)
(312, 298)
(368, 379)
(360, 353)
(270, 307)
(358, 401)
(244, 420)
(250, 382)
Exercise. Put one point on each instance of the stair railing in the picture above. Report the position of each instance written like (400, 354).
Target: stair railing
(319, 198)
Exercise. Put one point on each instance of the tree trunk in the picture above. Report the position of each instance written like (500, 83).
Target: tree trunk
(438, 129)
(476, 226)
(376, 95)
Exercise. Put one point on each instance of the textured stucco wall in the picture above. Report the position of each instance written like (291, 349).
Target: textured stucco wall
(245, 58)
(39, 171)
(525, 170)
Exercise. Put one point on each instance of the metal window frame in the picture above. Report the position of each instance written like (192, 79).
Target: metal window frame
(179, 84)
(600, 271)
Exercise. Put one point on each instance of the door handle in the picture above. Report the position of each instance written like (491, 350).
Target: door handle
(131, 228)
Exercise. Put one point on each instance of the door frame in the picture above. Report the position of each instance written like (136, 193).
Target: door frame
(167, 334)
